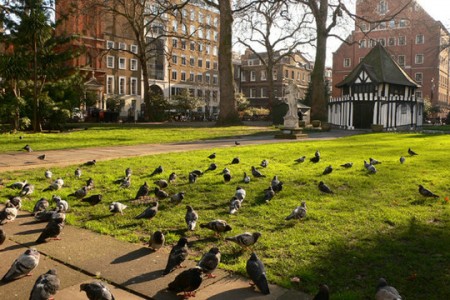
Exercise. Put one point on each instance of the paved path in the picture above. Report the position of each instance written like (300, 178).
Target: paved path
(132, 271)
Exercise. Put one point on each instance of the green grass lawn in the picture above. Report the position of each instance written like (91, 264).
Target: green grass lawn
(124, 134)
(373, 226)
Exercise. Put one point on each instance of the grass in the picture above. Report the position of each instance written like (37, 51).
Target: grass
(124, 134)
(373, 226)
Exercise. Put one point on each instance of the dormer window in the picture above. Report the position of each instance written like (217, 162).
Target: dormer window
(383, 7)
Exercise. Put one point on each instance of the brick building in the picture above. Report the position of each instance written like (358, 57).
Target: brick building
(412, 37)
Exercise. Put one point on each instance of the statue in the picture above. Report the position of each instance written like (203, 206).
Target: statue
(291, 117)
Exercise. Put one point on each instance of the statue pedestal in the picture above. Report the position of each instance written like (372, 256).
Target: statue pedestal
(291, 130)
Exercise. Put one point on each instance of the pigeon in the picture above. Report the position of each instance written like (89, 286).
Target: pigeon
(172, 177)
(16, 201)
(371, 169)
(347, 165)
(315, 159)
(211, 167)
(117, 207)
(209, 262)
(177, 255)
(61, 205)
(126, 182)
(48, 174)
(55, 185)
(157, 240)
(187, 282)
(386, 292)
(41, 205)
(23, 265)
(96, 291)
(323, 294)
(157, 171)
(257, 173)
(276, 184)
(269, 193)
(327, 170)
(427, 193)
(2, 236)
(246, 178)
(227, 177)
(411, 152)
(18, 185)
(149, 212)
(264, 163)
(324, 188)
(143, 191)
(402, 159)
(27, 190)
(53, 228)
(177, 198)
(8, 214)
(80, 193)
(235, 205)
(90, 184)
(275, 181)
(161, 183)
(197, 172)
(45, 286)
(235, 161)
(373, 161)
(27, 148)
(255, 269)
(128, 172)
(212, 156)
(237, 143)
(218, 226)
(191, 217)
(240, 193)
(245, 239)
(160, 194)
(300, 159)
(41, 157)
(192, 177)
(78, 173)
(298, 213)
(45, 215)
(90, 163)
(226, 170)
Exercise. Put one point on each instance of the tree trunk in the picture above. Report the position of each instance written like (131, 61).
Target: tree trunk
(228, 114)
(145, 86)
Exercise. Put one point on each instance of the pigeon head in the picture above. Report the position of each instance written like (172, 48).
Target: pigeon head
(227, 228)
(214, 250)
(381, 283)
(52, 272)
(253, 256)
(189, 208)
(182, 242)
(256, 236)
(303, 204)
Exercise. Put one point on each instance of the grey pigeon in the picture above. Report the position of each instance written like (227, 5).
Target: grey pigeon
(246, 178)
(235, 205)
(78, 173)
(41, 205)
(298, 213)
(27, 148)
(235, 161)
(48, 174)
(371, 169)
(402, 159)
(53, 228)
(177, 255)
(157, 240)
(90, 184)
(197, 172)
(211, 167)
(128, 172)
(323, 294)
(347, 165)
(149, 213)
(316, 157)
(300, 159)
(192, 177)
(240, 193)
(411, 152)
(373, 161)
(227, 177)
(126, 182)
(160, 194)
(245, 239)
(191, 217)
(324, 188)
(27, 190)
(187, 282)
(209, 262)
(327, 170)
(8, 214)
(157, 171)
(257, 173)
(256, 271)
(55, 185)
(97, 291)
(117, 207)
(237, 143)
(2, 235)
(177, 198)
(90, 163)
(226, 170)
(41, 157)
(276, 184)
(16, 201)
(172, 177)
(218, 226)
(212, 156)
(264, 163)
(62, 206)
(93, 200)
(386, 292)
(269, 193)
(161, 183)
(18, 185)
(45, 286)
(80, 193)
(23, 265)
(143, 191)
(45, 215)
(426, 192)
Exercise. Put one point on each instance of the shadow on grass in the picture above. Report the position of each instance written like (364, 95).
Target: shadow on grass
(136, 254)
(414, 258)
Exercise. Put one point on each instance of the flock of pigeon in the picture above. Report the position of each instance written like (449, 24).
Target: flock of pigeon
(189, 280)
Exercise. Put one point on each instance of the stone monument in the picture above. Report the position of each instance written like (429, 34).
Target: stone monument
(290, 129)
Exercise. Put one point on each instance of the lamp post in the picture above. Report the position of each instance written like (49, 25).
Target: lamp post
(169, 70)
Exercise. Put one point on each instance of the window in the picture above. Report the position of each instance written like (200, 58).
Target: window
(215, 50)
(401, 60)
(192, 61)
(215, 65)
(208, 50)
(200, 33)
(252, 93)
(362, 44)
(122, 85)
(363, 27)
(110, 85)
(174, 43)
(419, 77)
(208, 20)
(382, 42)
(183, 44)
(109, 44)
(215, 79)
(208, 64)
(200, 47)
(200, 17)
(252, 76)
(391, 41)
(402, 23)
(199, 77)
(191, 76)
(243, 76)
(183, 76)
(418, 94)
(122, 63)
(174, 25)
(292, 75)
(200, 62)
(403, 109)
(373, 43)
(275, 75)
(207, 78)
(174, 75)
(183, 60)
(419, 59)
(263, 75)
(133, 86)
(382, 26)
(192, 46)
(192, 14)
(134, 49)
(110, 61)
(174, 59)
(191, 29)
(122, 46)
(392, 24)
(133, 64)
(208, 34)
(383, 7)
(401, 41)
(347, 62)
(420, 39)
(263, 93)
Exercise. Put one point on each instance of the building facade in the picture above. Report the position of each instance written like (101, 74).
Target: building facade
(414, 39)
